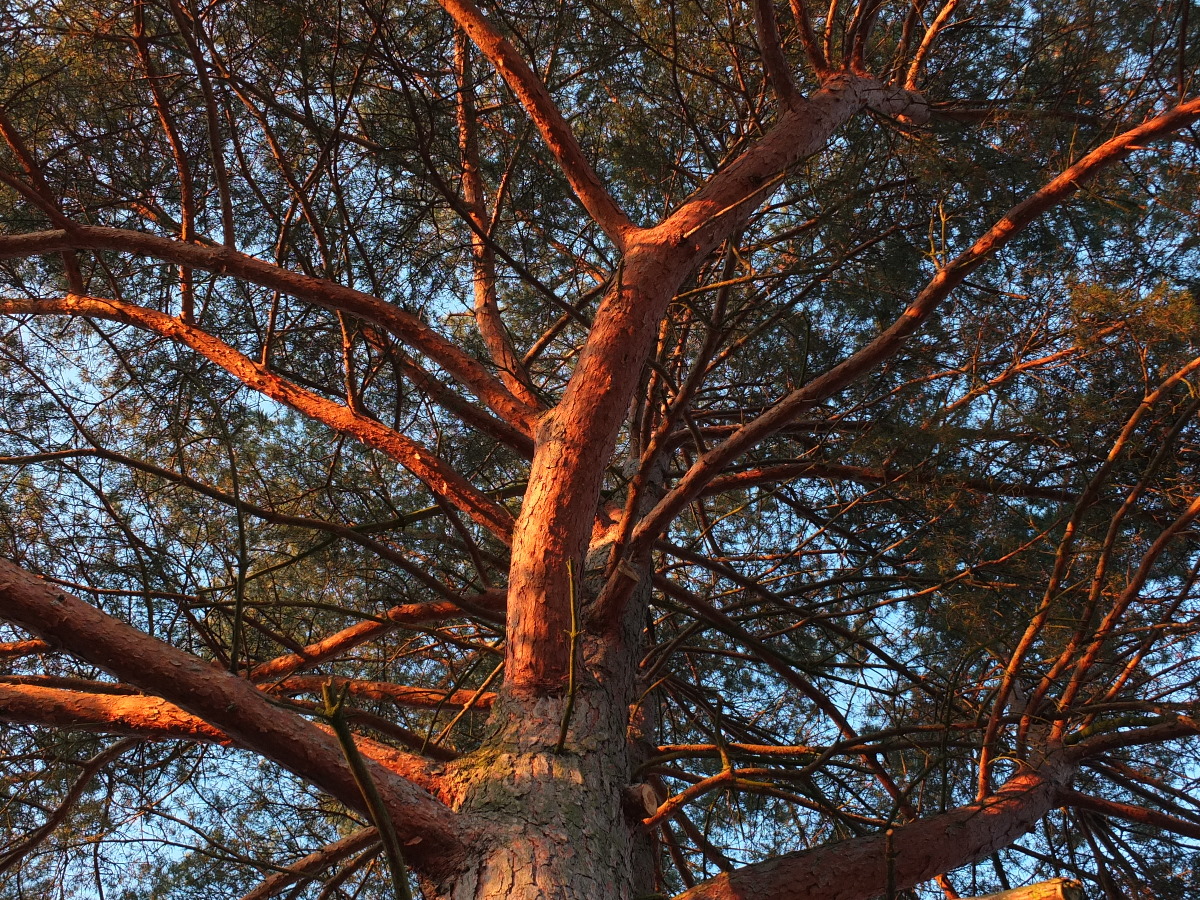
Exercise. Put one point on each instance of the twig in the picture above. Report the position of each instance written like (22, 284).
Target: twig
(382, 820)
(573, 635)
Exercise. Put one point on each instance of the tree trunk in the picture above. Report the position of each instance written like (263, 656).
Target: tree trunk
(553, 824)
(564, 825)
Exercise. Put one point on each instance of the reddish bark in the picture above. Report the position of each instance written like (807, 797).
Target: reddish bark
(545, 115)
(131, 714)
(576, 439)
(888, 342)
(330, 295)
(23, 648)
(483, 258)
(540, 760)
(1130, 813)
(229, 704)
(413, 455)
(361, 633)
(855, 869)
(385, 690)
(314, 863)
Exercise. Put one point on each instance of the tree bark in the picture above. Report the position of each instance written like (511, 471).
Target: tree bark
(857, 869)
(231, 705)
(553, 823)
(1055, 889)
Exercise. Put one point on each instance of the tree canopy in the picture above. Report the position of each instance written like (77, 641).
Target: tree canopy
(610, 449)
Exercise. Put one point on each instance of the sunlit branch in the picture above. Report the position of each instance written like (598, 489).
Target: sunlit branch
(362, 632)
(433, 471)
(309, 867)
(130, 714)
(1062, 561)
(889, 342)
(226, 703)
(226, 261)
(14, 649)
(1128, 596)
(400, 695)
(809, 38)
(940, 21)
(554, 129)
(483, 260)
(857, 868)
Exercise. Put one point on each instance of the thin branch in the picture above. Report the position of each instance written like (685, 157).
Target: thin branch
(483, 259)
(433, 471)
(307, 868)
(360, 633)
(400, 695)
(14, 853)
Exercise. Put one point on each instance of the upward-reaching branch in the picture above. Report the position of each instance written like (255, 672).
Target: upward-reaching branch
(858, 868)
(772, 52)
(577, 437)
(483, 258)
(888, 342)
(808, 37)
(555, 130)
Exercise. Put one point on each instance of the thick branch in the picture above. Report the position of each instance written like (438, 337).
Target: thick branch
(888, 342)
(129, 714)
(857, 869)
(229, 704)
(1054, 889)
(110, 708)
(727, 199)
(774, 62)
(23, 648)
(576, 439)
(808, 37)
